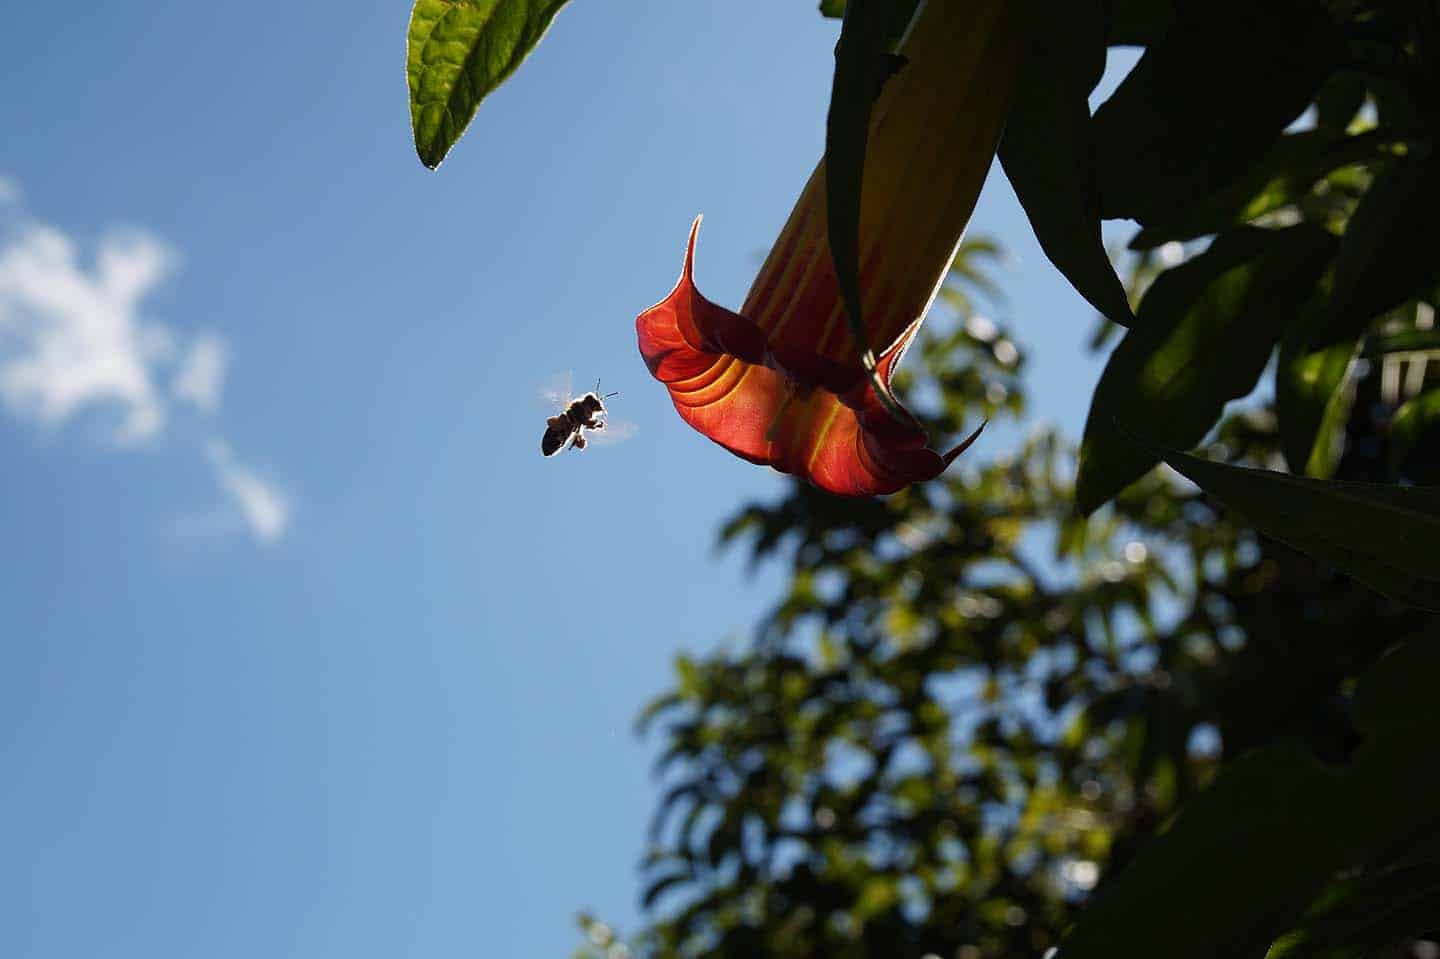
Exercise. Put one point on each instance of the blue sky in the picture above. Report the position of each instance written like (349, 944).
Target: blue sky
(306, 651)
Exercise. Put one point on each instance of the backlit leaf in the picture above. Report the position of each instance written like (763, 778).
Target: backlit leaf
(459, 51)
(1314, 393)
(1202, 336)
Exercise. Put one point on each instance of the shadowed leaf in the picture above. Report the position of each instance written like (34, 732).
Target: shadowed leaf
(1384, 536)
(1280, 178)
(862, 63)
(1295, 823)
(1415, 418)
(1049, 156)
(1383, 259)
(1314, 395)
(1202, 336)
(1181, 124)
(1138, 22)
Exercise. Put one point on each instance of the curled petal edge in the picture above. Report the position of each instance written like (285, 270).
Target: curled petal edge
(795, 410)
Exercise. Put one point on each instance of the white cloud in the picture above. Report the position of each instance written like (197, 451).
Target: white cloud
(266, 510)
(201, 377)
(72, 339)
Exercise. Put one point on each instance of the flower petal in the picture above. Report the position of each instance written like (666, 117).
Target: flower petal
(781, 382)
(715, 364)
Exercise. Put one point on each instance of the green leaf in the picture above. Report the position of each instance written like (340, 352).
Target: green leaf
(662, 885)
(1287, 172)
(832, 8)
(1202, 337)
(860, 66)
(1138, 23)
(1416, 417)
(1380, 911)
(1413, 340)
(459, 51)
(1383, 260)
(1259, 844)
(1314, 393)
(1049, 157)
(1383, 536)
(1339, 100)
(1183, 123)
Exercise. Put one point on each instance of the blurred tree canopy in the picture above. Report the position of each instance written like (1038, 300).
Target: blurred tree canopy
(1063, 699)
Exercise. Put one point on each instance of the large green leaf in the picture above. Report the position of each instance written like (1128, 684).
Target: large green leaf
(1287, 171)
(458, 51)
(1339, 100)
(1202, 337)
(1207, 100)
(1364, 916)
(1386, 256)
(1246, 857)
(1314, 393)
(1138, 22)
(1384, 536)
(1416, 417)
(1049, 157)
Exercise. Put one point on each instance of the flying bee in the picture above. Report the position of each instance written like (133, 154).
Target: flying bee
(580, 420)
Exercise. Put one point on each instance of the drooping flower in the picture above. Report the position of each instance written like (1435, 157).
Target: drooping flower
(782, 382)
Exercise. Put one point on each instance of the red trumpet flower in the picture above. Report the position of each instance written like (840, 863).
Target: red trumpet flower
(782, 382)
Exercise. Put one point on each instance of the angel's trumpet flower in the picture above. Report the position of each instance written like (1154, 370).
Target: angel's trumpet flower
(782, 382)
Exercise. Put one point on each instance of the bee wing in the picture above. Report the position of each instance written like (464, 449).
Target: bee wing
(615, 431)
(556, 391)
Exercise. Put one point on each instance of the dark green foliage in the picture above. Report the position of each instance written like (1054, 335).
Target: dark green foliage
(1208, 99)
(1389, 254)
(1313, 397)
(1194, 143)
(970, 705)
(1264, 840)
(862, 62)
(1203, 334)
(1381, 534)
(1049, 155)
(1281, 179)
(1130, 23)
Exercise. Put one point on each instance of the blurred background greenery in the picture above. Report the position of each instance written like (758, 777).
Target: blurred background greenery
(1064, 699)
(972, 706)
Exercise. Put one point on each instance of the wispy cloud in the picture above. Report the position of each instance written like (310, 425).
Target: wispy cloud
(74, 342)
(201, 377)
(71, 338)
(265, 508)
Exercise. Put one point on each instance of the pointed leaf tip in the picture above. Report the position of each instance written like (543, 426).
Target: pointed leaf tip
(457, 52)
